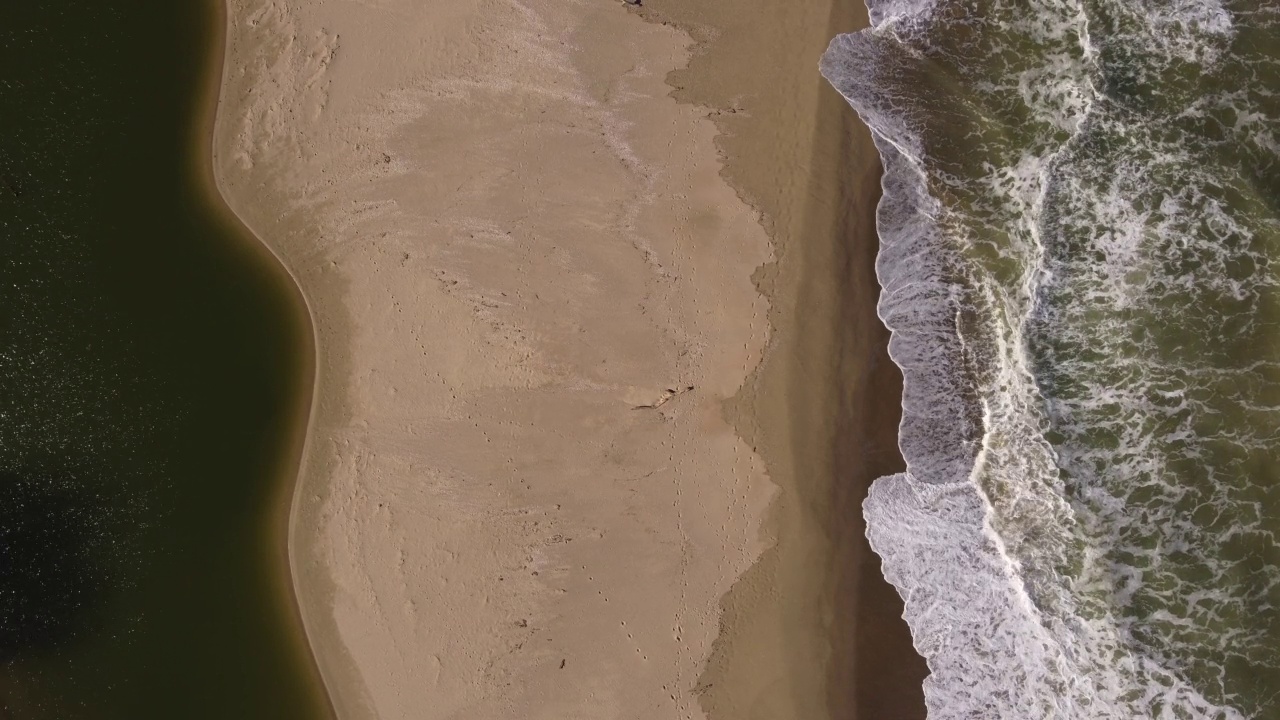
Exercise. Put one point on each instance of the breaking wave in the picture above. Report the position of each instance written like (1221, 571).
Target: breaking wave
(1077, 231)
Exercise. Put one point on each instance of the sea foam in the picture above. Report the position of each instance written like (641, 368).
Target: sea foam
(1070, 258)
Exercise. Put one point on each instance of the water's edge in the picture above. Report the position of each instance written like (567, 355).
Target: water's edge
(1077, 239)
(283, 513)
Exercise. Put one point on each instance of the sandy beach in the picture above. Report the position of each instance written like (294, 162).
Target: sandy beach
(599, 380)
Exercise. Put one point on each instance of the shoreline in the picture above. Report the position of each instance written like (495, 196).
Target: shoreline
(341, 545)
(762, 409)
(831, 349)
(289, 474)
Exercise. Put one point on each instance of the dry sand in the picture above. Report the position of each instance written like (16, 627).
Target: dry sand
(537, 455)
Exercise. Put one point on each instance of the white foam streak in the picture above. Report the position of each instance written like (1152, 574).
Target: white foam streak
(978, 535)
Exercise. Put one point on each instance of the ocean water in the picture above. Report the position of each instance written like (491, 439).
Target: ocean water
(1080, 261)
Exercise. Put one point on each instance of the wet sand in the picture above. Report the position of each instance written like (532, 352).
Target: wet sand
(813, 630)
(543, 448)
(278, 511)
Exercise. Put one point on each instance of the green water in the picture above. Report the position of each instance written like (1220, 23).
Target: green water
(152, 370)
(1079, 236)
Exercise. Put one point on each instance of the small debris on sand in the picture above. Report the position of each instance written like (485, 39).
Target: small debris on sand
(666, 396)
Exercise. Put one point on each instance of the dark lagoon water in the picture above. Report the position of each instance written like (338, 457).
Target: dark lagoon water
(154, 368)
(1080, 234)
